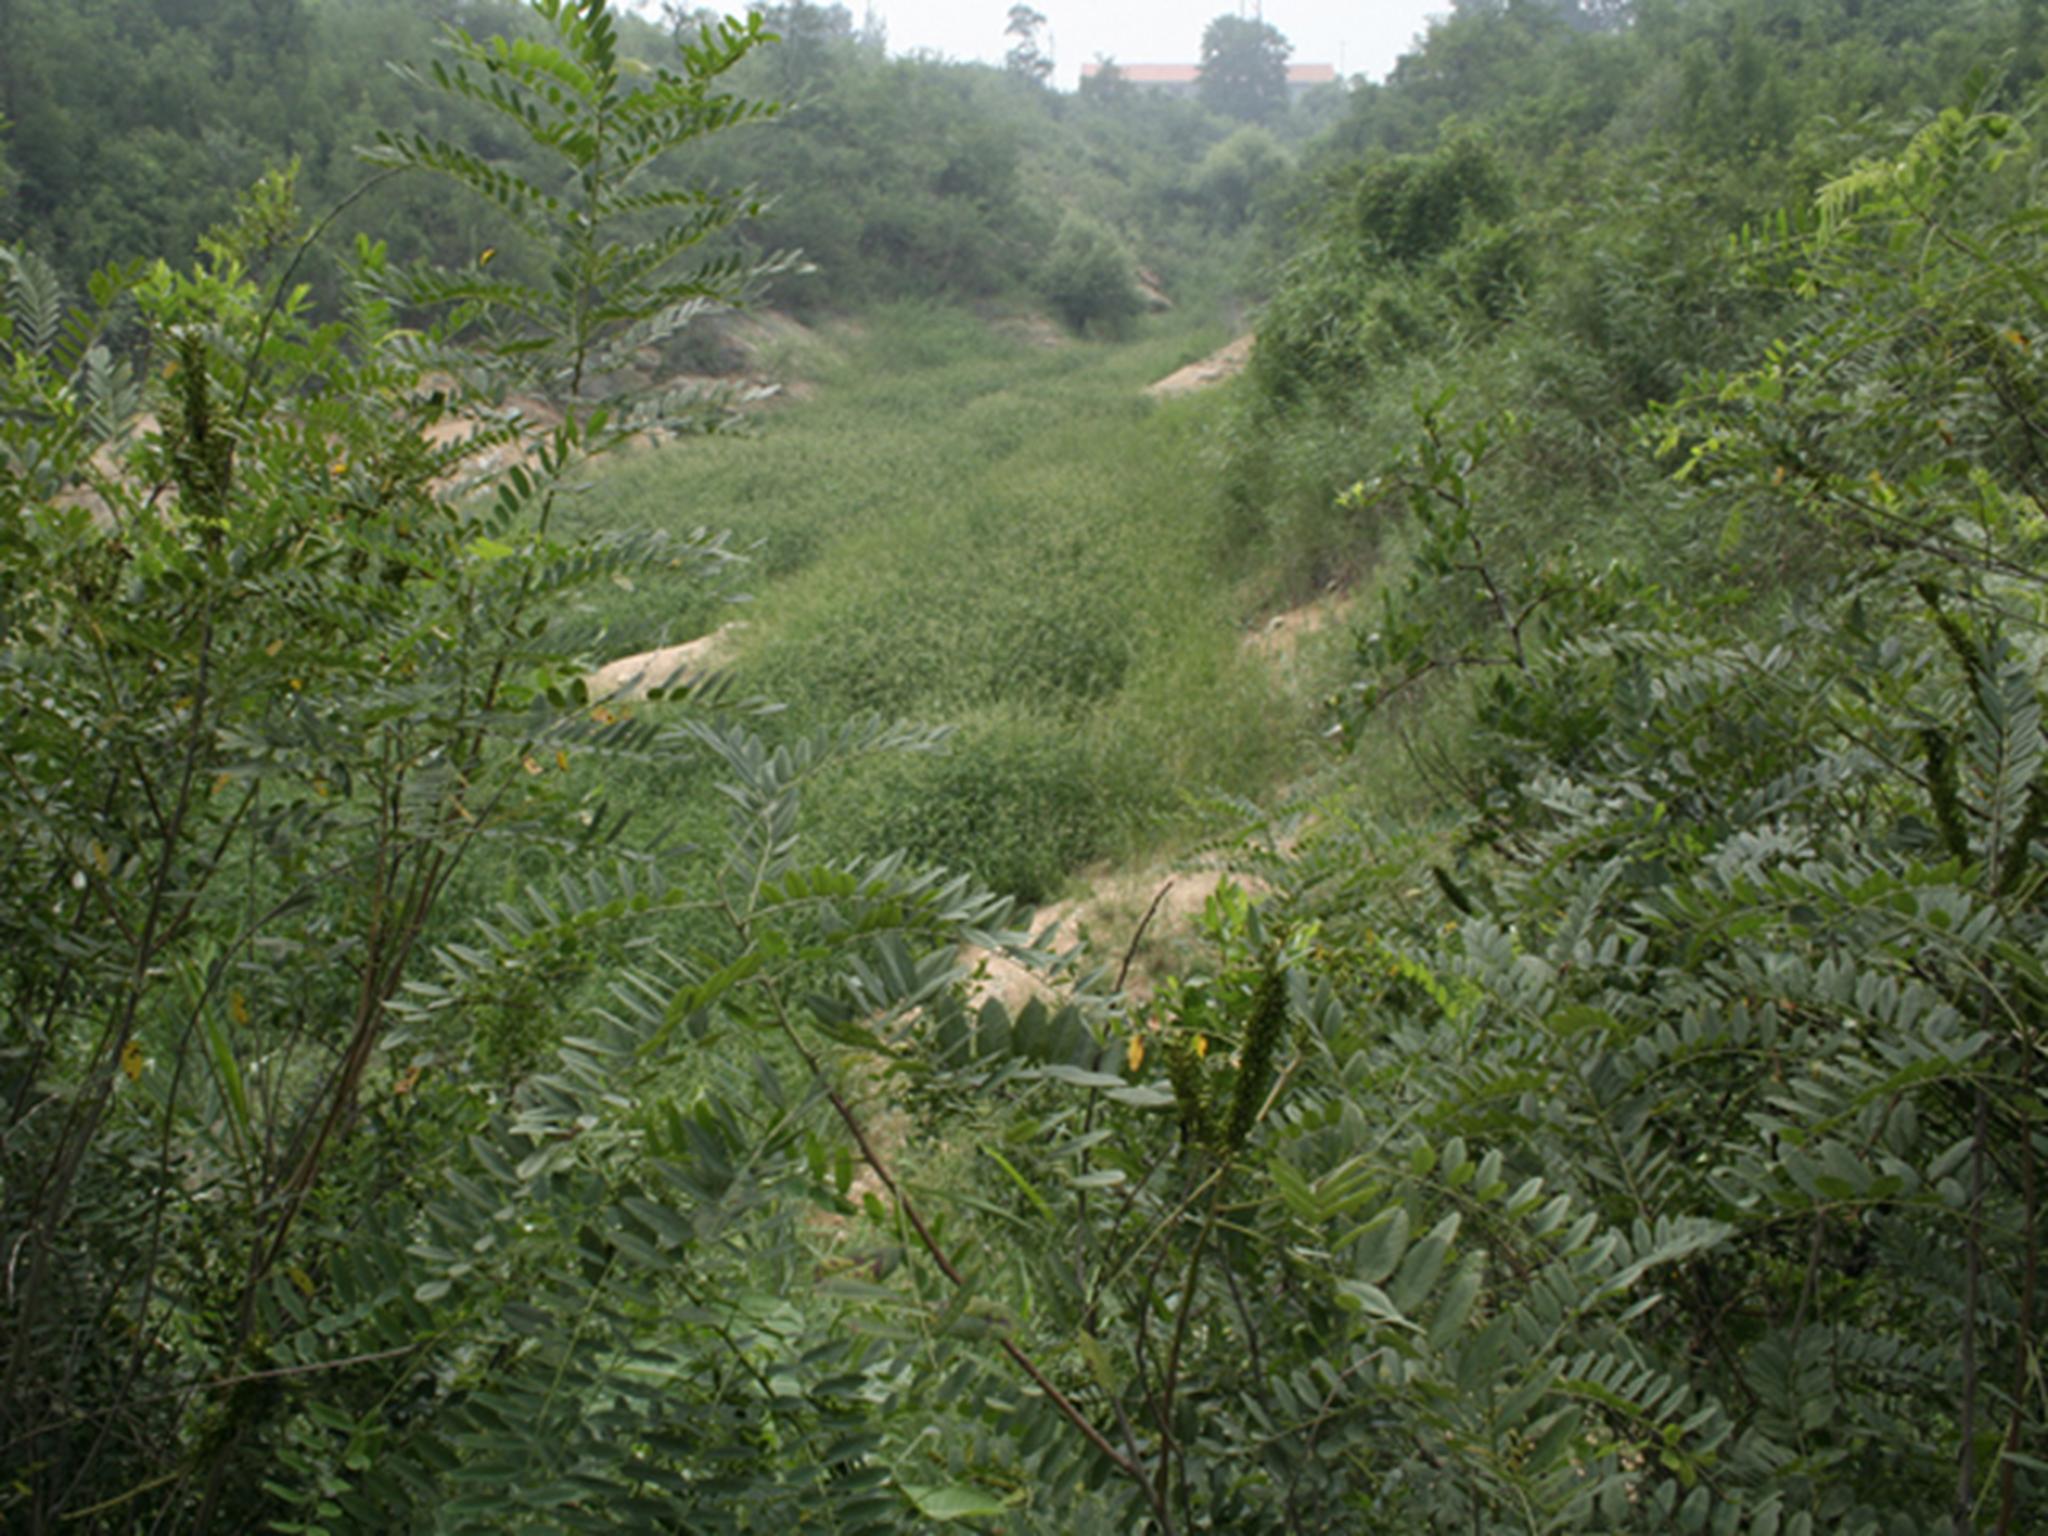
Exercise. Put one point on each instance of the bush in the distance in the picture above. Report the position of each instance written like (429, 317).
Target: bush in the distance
(1089, 278)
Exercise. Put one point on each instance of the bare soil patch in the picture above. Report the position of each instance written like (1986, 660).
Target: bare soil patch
(1224, 363)
(631, 678)
(1278, 638)
(1147, 916)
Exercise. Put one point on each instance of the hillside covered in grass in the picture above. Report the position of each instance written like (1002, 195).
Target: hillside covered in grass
(1593, 657)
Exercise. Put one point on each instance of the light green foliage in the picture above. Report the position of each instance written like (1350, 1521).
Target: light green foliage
(604, 128)
(1062, 604)
(1599, 286)
(268, 686)
(1617, 1108)
(1020, 799)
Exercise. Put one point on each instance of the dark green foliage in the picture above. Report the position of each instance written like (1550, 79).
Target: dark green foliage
(1238, 179)
(1405, 256)
(1244, 69)
(1025, 58)
(1408, 211)
(896, 178)
(288, 1252)
(1089, 278)
(136, 123)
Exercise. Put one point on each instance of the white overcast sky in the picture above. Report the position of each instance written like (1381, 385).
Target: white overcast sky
(1362, 37)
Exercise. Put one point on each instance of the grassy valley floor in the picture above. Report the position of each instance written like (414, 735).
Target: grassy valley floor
(984, 525)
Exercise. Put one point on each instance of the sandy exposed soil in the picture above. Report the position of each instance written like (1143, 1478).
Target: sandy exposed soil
(634, 677)
(1278, 639)
(764, 348)
(1112, 920)
(1226, 363)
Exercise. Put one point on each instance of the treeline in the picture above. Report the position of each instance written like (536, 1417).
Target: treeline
(132, 125)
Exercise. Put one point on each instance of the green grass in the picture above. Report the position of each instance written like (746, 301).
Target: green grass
(966, 526)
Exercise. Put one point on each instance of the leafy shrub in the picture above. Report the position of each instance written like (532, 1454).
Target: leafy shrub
(273, 675)
(1643, 1140)
(1089, 278)
(1236, 178)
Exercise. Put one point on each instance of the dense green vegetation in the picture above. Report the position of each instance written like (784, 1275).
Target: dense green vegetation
(1609, 1100)
(984, 531)
(895, 178)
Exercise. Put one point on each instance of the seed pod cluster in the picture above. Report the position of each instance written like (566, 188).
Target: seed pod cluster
(1184, 1072)
(203, 458)
(1264, 1033)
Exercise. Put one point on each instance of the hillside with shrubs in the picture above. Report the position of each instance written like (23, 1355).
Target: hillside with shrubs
(1592, 662)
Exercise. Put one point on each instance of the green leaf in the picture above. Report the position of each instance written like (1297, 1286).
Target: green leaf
(229, 1073)
(955, 1501)
(1081, 1077)
(1371, 1300)
(1142, 1096)
(1424, 1263)
(1029, 1189)
(1100, 1178)
(1381, 1245)
(1457, 1302)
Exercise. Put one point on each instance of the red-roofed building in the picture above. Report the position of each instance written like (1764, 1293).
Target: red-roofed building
(1185, 79)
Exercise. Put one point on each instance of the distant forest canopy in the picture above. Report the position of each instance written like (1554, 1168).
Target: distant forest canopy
(894, 176)
(131, 125)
